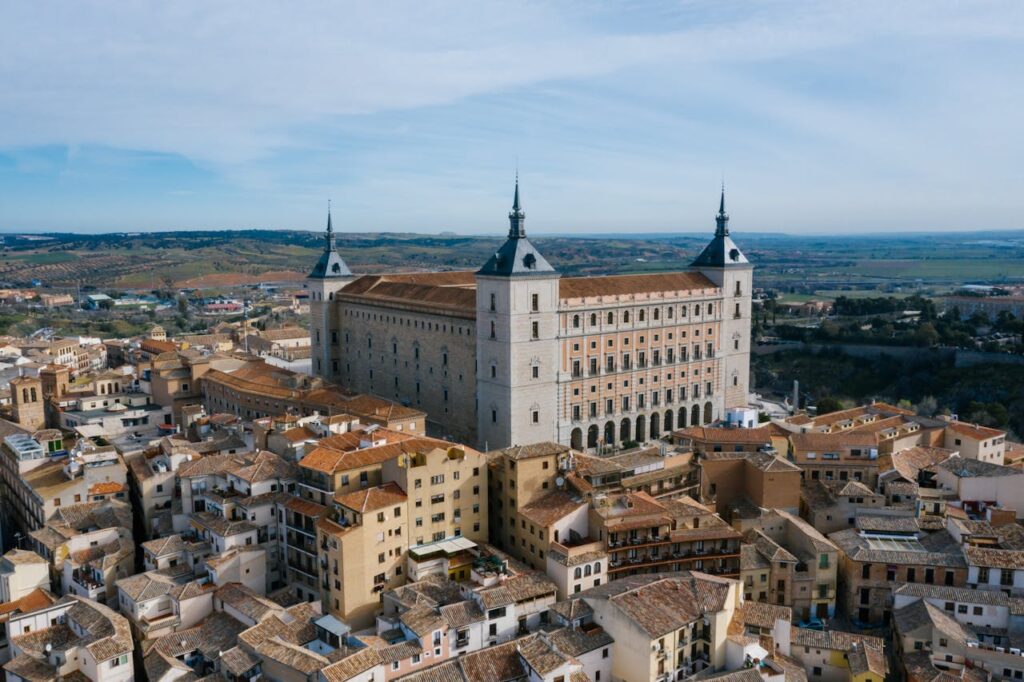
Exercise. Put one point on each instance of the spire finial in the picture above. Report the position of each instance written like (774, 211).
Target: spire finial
(722, 219)
(516, 217)
(329, 235)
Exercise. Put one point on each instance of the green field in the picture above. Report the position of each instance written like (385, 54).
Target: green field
(939, 269)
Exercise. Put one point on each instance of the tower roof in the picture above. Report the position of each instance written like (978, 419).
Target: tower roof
(330, 264)
(722, 251)
(517, 256)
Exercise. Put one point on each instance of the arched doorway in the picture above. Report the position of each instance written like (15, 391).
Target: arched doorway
(668, 420)
(707, 413)
(624, 431)
(641, 429)
(576, 439)
(682, 418)
(695, 416)
(609, 433)
(655, 426)
(592, 435)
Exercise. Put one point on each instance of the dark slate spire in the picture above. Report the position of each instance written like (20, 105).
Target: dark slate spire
(516, 217)
(329, 236)
(722, 219)
(722, 251)
(517, 256)
(330, 263)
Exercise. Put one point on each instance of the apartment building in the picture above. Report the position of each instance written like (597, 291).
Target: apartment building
(660, 474)
(786, 561)
(522, 477)
(738, 484)
(90, 564)
(514, 353)
(896, 429)
(841, 456)
(424, 497)
(174, 377)
(941, 630)
(38, 481)
(72, 637)
(831, 506)
(644, 535)
(978, 484)
(834, 655)
(665, 626)
(876, 560)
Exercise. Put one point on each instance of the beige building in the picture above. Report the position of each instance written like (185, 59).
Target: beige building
(422, 497)
(667, 626)
(787, 562)
(22, 572)
(39, 481)
(515, 354)
(72, 637)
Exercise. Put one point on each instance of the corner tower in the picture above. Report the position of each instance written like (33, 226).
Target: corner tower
(516, 342)
(329, 276)
(723, 263)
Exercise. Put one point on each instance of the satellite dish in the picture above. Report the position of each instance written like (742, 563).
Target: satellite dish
(559, 481)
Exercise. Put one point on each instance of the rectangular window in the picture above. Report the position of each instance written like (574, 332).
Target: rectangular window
(536, 330)
(535, 302)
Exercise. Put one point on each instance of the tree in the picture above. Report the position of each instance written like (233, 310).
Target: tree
(828, 404)
(926, 335)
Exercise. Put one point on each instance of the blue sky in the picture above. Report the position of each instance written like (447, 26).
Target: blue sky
(824, 117)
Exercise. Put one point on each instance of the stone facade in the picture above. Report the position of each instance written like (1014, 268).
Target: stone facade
(516, 354)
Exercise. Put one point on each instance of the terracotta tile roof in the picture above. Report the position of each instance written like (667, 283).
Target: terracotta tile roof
(106, 488)
(548, 509)
(975, 431)
(627, 285)
(304, 507)
(909, 461)
(661, 603)
(451, 292)
(757, 436)
(372, 499)
(36, 599)
(519, 588)
(353, 664)
(518, 452)
(818, 442)
(961, 467)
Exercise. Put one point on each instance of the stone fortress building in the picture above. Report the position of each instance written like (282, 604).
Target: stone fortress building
(514, 353)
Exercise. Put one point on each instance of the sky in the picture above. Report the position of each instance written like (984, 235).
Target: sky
(823, 117)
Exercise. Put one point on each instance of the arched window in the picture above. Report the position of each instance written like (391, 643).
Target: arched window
(656, 312)
(682, 311)
(575, 321)
(640, 315)
(625, 316)
(578, 573)
(593, 319)
(597, 568)
(611, 318)
(669, 312)
(711, 308)
(586, 570)
(492, 329)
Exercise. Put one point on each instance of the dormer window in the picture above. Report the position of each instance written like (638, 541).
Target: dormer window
(530, 261)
